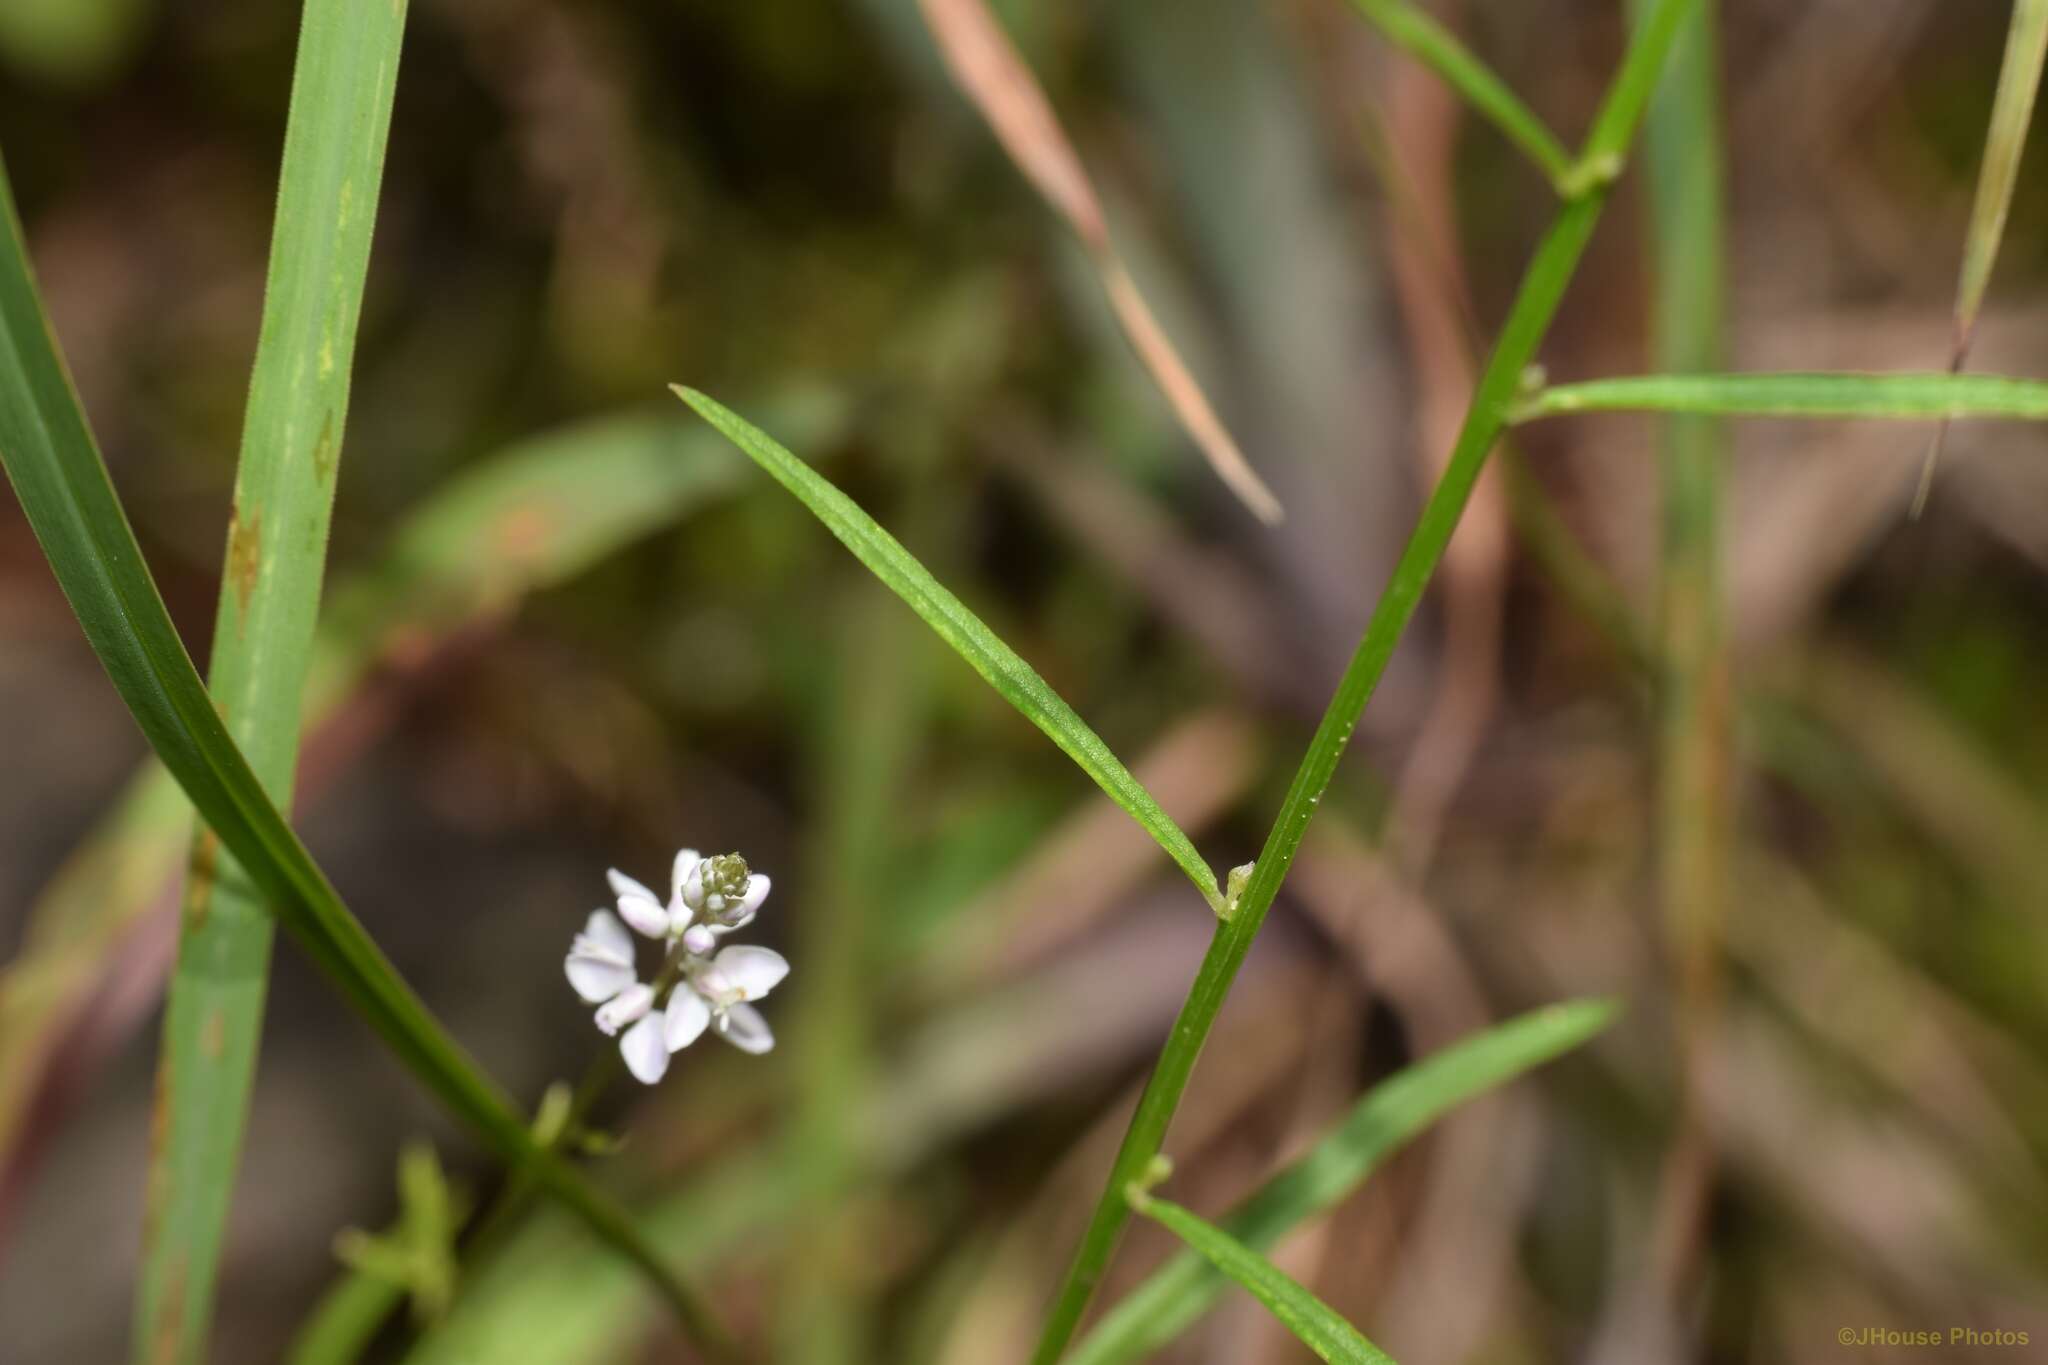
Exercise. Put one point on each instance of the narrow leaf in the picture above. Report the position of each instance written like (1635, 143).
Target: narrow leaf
(343, 80)
(2019, 76)
(1881, 396)
(992, 73)
(56, 471)
(1318, 1326)
(1421, 36)
(1383, 1120)
(1017, 682)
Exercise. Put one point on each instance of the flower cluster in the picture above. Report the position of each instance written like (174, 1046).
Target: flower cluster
(708, 986)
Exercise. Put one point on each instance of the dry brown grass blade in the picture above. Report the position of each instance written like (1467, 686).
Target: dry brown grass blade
(993, 75)
(2012, 109)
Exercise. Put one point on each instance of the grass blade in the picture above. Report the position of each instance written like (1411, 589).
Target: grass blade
(342, 86)
(1017, 682)
(1420, 35)
(1317, 1325)
(1543, 284)
(1682, 165)
(1876, 396)
(2012, 108)
(992, 73)
(55, 468)
(1379, 1125)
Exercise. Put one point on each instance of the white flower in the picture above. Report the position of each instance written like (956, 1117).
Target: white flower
(718, 992)
(600, 968)
(711, 895)
(708, 898)
(600, 961)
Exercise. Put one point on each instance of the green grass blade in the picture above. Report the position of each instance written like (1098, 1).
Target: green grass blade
(1543, 285)
(340, 115)
(2012, 109)
(1016, 681)
(1379, 1125)
(1682, 165)
(1314, 1323)
(1879, 396)
(55, 468)
(1436, 47)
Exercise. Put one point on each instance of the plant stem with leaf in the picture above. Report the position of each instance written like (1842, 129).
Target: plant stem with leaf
(1543, 285)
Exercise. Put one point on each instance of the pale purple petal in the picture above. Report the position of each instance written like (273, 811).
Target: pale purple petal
(623, 886)
(645, 1053)
(598, 980)
(644, 913)
(757, 891)
(630, 1004)
(745, 1029)
(604, 930)
(686, 1018)
(752, 971)
(686, 863)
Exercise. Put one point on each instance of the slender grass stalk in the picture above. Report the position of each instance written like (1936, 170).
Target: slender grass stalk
(342, 86)
(1543, 284)
(1314, 1323)
(868, 734)
(1883, 397)
(56, 470)
(1378, 1125)
(2012, 109)
(1420, 35)
(1683, 174)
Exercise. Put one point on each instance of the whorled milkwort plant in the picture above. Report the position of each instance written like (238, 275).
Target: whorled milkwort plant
(706, 986)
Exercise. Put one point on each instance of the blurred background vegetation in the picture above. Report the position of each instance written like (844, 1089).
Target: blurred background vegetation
(567, 629)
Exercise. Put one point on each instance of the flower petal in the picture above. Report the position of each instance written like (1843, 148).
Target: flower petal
(604, 930)
(745, 1029)
(644, 913)
(686, 1018)
(686, 863)
(598, 979)
(623, 886)
(757, 891)
(752, 971)
(645, 1053)
(628, 1005)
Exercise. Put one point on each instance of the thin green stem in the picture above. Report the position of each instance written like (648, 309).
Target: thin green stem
(1683, 174)
(868, 737)
(1436, 47)
(1877, 397)
(1543, 285)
